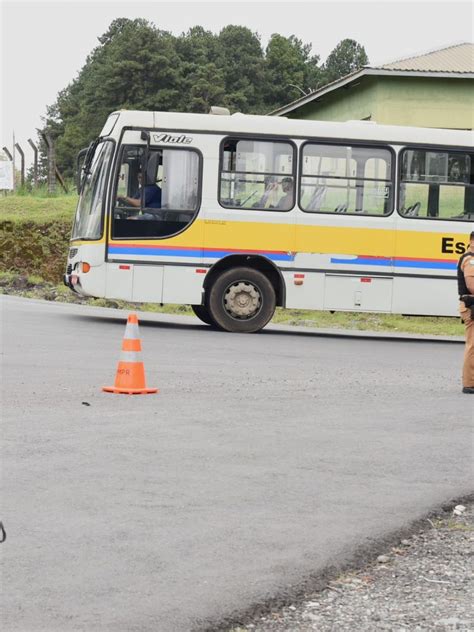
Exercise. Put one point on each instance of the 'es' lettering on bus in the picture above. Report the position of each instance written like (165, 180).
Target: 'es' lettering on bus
(450, 247)
(174, 140)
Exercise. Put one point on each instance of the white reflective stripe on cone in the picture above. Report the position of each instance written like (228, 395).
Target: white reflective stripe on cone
(131, 331)
(130, 356)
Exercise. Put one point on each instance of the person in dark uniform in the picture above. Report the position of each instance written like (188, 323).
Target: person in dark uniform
(466, 308)
(151, 197)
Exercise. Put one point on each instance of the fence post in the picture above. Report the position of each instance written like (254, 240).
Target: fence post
(51, 162)
(22, 157)
(61, 180)
(14, 161)
(35, 163)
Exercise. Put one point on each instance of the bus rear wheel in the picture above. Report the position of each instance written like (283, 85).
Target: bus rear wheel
(203, 314)
(241, 300)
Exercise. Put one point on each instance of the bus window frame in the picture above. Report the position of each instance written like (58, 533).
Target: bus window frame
(105, 200)
(261, 138)
(363, 145)
(427, 148)
(114, 184)
(109, 131)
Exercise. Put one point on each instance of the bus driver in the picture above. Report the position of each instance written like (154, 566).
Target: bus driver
(151, 195)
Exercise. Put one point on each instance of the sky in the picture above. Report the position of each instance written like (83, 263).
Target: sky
(45, 44)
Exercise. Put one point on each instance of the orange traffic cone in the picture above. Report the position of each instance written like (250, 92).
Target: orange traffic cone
(130, 376)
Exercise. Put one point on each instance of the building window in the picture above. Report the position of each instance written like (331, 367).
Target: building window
(437, 184)
(346, 179)
(257, 174)
(157, 192)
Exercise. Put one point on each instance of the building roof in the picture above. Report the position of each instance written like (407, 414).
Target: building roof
(449, 62)
(459, 58)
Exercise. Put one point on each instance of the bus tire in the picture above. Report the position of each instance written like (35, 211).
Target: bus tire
(241, 300)
(202, 313)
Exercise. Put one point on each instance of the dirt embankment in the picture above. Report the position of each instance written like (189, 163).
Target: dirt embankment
(31, 249)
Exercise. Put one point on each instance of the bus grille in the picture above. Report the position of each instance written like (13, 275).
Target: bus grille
(69, 269)
(72, 252)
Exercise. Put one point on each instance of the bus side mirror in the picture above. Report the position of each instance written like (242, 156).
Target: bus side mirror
(79, 163)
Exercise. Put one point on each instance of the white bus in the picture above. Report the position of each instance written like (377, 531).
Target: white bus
(236, 215)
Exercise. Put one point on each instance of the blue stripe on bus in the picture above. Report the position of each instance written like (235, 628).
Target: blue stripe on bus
(398, 263)
(198, 253)
(433, 265)
(369, 261)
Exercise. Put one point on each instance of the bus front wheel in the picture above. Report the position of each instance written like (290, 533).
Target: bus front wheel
(241, 300)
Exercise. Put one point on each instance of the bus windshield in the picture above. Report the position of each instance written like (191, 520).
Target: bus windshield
(88, 219)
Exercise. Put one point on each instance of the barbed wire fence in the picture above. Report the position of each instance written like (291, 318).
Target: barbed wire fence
(11, 175)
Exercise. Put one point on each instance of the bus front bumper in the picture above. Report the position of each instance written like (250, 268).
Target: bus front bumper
(72, 281)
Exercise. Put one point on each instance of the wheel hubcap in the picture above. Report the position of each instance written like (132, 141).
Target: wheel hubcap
(242, 300)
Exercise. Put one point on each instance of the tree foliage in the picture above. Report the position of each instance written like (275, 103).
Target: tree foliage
(347, 57)
(138, 66)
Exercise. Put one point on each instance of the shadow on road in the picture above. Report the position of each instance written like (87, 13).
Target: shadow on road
(121, 321)
(196, 325)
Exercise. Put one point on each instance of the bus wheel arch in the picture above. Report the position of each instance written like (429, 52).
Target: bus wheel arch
(261, 264)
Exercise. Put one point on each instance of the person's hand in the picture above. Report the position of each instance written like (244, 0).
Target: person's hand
(468, 300)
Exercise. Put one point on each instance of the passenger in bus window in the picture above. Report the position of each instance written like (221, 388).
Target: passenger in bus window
(271, 191)
(466, 295)
(151, 197)
(286, 202)
(270, 200)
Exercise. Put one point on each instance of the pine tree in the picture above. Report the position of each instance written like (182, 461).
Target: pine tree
(347, 57)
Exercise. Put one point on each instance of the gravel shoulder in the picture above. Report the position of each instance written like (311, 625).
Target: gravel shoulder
(425, 583)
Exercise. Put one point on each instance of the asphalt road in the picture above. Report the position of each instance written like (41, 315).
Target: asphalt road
(264, 459)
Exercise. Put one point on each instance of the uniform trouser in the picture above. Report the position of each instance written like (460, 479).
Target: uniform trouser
(468, 367)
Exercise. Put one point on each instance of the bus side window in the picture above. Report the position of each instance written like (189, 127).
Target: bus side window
(346, 179)
(257, 174)
(437, 184)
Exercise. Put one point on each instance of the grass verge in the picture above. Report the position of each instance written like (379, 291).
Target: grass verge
(38, 209)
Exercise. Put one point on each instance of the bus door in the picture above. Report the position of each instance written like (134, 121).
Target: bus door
(155, 243)
(346, 228)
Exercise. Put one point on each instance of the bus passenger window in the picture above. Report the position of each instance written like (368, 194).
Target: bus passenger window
(257, 175)
(157, 192)
(346, 179)
(437, 185)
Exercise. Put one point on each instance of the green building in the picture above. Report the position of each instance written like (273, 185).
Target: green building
(431, 90)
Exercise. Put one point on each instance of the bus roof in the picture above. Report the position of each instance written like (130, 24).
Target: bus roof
(296, 128)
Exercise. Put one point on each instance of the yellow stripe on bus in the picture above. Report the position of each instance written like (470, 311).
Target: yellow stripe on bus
(228, 235)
